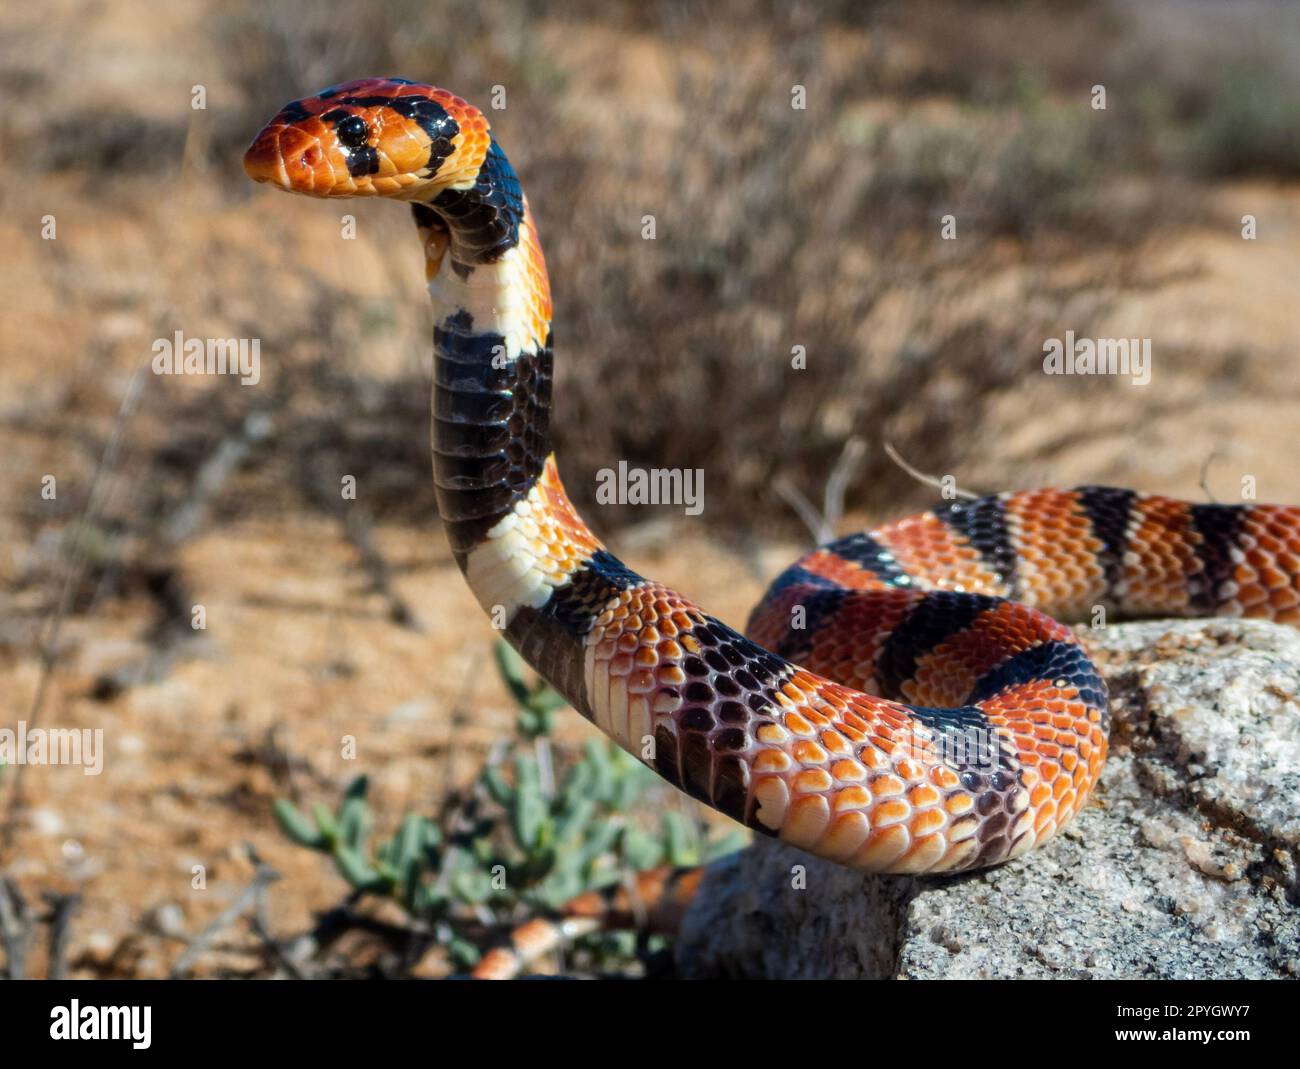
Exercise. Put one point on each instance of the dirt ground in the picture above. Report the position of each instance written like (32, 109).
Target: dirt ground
(298, 653)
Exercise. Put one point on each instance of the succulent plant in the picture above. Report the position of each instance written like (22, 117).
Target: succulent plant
(533, 843)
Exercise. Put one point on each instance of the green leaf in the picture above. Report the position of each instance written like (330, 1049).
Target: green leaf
(727, 844)
(474, 886)
(431, 900)
(495, 783)
(297, 826)
(573, 824)
(354, 824)
(641, 850)
(325, 821)
(464, 953)
(408, 843)
(547, 700)
(357, 871)
(679, 839)
(511, 667)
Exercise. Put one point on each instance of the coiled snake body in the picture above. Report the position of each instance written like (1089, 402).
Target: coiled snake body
(905, 699)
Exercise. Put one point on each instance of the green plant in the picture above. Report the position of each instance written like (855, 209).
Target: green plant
(523, 840)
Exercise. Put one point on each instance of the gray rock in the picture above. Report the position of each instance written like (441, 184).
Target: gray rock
(1183, 866)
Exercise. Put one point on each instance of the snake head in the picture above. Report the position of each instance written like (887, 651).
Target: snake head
(378, 137)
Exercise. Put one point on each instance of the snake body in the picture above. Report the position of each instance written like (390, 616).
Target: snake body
(908, 699)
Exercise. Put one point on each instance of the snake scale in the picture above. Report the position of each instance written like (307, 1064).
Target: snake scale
(907, 699)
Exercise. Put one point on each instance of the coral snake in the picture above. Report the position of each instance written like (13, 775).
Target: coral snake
(904, 700)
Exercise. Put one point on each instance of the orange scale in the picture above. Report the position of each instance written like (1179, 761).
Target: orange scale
(641, 681)
(963, 829)
(924, 855)
(808, 753)
(848, 771)
(798, 725)
(883, 847)
(835, 700)
(872, 758)
(943, 777)
(853, 734)
(890, 719)
(646, 657)
(928, 822)
(813, 781)
(671, 676)
(844, 836)
(890, 812)
(1062, 784)
(923, 795)
(1039, 795)
(851, 798)
(1282, 600)
(1049, 770)
(1069, 761)
(1045, 818)
(670, 650)
(772, 761)
(956, 804)
(794, 694)
(887, 786)
(806, 821)
(910, 770)
(1049, 749)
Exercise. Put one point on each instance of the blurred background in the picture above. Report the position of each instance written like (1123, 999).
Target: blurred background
(775, 227)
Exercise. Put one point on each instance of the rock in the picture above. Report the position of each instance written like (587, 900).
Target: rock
(1183, 866)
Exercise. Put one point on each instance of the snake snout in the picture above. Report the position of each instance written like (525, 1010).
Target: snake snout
(289, 158)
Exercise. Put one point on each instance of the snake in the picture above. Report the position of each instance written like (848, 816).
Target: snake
(909, 699)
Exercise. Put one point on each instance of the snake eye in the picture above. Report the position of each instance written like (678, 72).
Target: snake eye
(353, 131)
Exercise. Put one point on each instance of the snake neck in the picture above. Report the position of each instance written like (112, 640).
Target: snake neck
(512, 529)
(492, 349)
